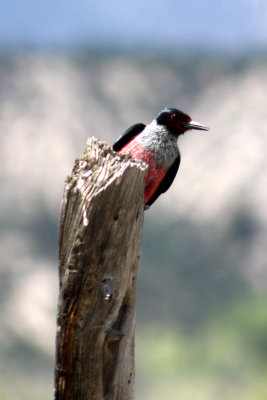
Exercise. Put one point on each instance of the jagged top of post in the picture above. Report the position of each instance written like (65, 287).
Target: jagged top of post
(97, 152)
(101, 164)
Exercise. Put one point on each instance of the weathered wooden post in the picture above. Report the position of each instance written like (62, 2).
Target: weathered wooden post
(99, 245)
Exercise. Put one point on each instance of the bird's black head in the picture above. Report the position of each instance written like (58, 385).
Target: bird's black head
(177, 121)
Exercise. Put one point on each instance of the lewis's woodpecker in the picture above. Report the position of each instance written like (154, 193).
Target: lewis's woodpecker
(156, 145)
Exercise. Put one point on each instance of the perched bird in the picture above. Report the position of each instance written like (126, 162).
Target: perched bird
(156, 145)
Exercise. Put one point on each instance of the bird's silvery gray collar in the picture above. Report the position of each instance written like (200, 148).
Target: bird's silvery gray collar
(159, 140)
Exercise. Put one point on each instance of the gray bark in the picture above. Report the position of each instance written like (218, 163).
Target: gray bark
(99, 246)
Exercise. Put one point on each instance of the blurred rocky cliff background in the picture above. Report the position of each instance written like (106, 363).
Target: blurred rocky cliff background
(203, 258)
(202, 303)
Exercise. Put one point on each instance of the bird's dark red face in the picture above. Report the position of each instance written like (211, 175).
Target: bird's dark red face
(177, 121)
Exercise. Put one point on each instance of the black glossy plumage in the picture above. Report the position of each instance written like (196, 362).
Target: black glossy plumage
(128, 135)
(166, 181)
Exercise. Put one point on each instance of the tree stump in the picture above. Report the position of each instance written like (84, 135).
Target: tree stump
(99, 246)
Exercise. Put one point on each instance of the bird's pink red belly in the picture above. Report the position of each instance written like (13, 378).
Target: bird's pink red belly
(154, 174)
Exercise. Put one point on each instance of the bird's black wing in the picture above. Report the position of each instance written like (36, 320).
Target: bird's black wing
(127, 136)
(166, 181)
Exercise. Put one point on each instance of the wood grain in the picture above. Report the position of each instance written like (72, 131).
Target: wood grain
(99, 245)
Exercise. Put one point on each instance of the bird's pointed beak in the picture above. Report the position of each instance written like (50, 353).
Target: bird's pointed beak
(196, 125)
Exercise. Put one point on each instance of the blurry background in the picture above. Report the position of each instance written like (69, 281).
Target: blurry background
(70, 70)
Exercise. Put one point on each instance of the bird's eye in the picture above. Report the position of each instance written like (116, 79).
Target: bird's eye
(173, 115)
